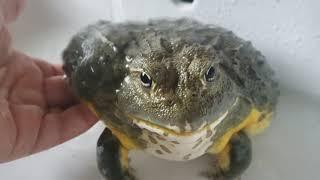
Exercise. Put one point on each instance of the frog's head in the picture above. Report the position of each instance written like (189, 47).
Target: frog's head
(165, 82)
(180, 87)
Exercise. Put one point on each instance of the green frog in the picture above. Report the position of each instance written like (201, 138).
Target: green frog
(175, 88)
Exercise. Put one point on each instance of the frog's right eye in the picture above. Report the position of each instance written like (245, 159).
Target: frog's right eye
(209, 76)
(145, 79)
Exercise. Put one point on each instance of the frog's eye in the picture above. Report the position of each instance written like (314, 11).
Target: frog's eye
(145, 79)
(209, 76)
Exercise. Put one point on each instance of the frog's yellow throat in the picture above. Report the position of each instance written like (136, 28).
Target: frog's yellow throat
(190, 145)
(126, 142)
(254, 123)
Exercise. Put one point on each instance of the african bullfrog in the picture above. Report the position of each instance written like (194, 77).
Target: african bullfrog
(177, 89)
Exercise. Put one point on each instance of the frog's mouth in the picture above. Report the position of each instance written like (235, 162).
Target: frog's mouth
(174, 130)
(208, 128)
(206, 132)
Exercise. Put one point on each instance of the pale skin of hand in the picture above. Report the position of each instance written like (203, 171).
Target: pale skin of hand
(37, 108)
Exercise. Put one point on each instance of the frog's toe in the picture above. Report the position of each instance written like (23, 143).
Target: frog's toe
(215, 175)
(130, 175)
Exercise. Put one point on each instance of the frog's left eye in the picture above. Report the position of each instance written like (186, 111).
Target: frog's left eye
(210, 74)
(145, 79)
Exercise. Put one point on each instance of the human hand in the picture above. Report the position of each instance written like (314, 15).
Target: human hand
(37, 108)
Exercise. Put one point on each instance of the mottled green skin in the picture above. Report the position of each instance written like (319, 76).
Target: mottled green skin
(176, 54)
(105, 60)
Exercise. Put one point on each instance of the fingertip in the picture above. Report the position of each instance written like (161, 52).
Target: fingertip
(76, 120)
(58, 92)
(60, 126)
(90, 116)
(49, 69)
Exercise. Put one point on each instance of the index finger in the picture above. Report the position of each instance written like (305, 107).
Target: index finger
(58, 127)
(49, 69)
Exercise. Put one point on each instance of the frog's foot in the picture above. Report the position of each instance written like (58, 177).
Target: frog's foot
(112, 158)
(215, 174)
(129, 175)
(233, 160)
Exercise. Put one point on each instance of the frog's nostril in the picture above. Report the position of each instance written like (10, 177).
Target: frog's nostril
(169, 102)
(183, 1)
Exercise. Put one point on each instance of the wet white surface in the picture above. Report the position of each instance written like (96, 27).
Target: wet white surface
(286, 151)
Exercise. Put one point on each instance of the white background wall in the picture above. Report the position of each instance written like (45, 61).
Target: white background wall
(286, 31)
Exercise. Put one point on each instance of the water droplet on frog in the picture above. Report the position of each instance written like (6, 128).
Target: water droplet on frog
(117, 90)
(100, 150)
(91, 68)
(129, 58)
(127, 79)
(114, 48)
(101, 58)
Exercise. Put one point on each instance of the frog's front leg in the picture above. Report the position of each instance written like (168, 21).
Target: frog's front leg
(112, 158)
(233, 159)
